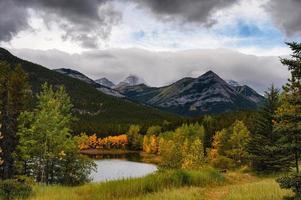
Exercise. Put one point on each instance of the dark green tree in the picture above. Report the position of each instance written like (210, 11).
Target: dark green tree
(288, 118)
(263, 147)
(135, 138)
(14, 91)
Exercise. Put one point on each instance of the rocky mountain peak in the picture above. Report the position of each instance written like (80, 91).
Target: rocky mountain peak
(106, 82)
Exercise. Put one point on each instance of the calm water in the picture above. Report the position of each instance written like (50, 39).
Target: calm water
(116, 169)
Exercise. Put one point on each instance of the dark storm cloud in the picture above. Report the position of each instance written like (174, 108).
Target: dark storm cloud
(198, 11)
(84, 21)
(13, 19)
(286, 14)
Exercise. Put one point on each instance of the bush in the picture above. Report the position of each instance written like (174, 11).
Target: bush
(14, 189)
(293, 182)
(222, 162)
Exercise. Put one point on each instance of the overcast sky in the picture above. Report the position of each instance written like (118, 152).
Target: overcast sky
(158, 40)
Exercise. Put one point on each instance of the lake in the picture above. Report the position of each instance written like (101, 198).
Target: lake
(116, 169)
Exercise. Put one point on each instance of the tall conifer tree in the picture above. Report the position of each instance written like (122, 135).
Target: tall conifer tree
(288, 121)
(14, 90)
(263, 147)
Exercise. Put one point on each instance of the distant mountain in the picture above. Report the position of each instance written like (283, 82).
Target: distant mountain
(246, 91)
(206, 94)
(96, 112)
(75, 74)
(131, 80)
(82, 77)
(250, 93)
(105, 82)
(233, 83)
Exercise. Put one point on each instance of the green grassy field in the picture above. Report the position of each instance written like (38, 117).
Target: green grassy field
(132, 188)
(206, 184)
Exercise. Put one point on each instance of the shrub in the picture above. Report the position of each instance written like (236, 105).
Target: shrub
(293, 182)
(223, 162)
(14, 189)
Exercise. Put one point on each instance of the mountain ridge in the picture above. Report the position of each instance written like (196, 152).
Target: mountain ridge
(78, 75)
(205, 94)
(96, 111)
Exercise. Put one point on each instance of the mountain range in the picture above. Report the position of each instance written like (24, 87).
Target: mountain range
(207, 94)
(101, 87)
(96, 112)
(131, 97)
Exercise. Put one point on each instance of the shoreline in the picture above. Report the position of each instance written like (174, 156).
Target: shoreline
(96, 152)
(144, 157)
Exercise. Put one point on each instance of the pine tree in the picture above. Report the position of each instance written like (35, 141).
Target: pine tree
(288, 122)
(14, 91)
(288, 118)
(263, 146)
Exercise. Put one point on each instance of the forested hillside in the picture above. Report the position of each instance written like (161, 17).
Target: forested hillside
(95, 111)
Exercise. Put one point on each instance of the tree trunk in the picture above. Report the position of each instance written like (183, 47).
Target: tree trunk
(297, 161)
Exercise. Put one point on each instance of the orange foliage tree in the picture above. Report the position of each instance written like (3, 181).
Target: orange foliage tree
(111, 142)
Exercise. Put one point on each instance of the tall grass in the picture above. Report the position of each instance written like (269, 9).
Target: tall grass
(266, 189)
(122, 189)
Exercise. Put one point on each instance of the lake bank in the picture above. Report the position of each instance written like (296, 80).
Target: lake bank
(132, 188)
(205, 184)
(123, 154)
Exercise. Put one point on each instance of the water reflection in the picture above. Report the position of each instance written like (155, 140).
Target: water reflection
(127, 156)
(116, 169)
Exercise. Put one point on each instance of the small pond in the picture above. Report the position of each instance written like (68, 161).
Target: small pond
(116, 169)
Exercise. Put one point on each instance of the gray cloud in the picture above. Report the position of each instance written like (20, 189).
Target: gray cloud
(13, 18)
(161, 68)
(286, 14)
(198, 11)
(82, 21)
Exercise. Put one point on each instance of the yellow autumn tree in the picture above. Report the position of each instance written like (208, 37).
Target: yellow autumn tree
(192, 154)
(153, 144)
(146, 144)
(93, 141)
(216, 145)
(82, 141)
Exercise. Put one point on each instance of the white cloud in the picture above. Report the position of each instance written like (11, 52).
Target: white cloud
(161, 68)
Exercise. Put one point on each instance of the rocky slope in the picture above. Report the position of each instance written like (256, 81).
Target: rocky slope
(195, 96)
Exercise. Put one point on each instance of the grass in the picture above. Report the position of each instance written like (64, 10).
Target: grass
(238, 187)
(206, 184)
(132, 188)
(266, 189)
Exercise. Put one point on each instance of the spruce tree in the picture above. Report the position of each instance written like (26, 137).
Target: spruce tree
(263, 147)
(288, 119)
(14, 91)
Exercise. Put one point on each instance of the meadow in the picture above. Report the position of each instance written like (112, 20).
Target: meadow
(205, 184)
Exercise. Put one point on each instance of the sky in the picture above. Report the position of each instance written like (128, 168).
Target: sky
(160, 41)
